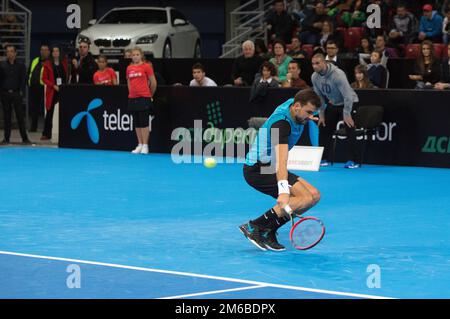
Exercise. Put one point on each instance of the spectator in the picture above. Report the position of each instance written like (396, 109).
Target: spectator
(331, 84)
(266, 79)
(198, 73)
(444, 83)
(84, 67)
(141, 87)
(403, 27)
(279, 23)
(380, 45)
(245, 67)
(427, 68)
(446, 27)
(296, 51)
(36, 85)
(355, 16)
(261, 50)
(105, 75)
(332, 54)
(365, 46)
(362, 78)
(430, 25)
(293, 79)
(13, 75)
(377, 70)
(312, 24)
(328, 34)
(54, 75)
(280, 60)
(127, 54)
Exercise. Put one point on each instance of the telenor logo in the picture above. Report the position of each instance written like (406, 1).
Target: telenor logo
(91, 125)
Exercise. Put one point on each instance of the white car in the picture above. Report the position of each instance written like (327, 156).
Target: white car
(161, 32)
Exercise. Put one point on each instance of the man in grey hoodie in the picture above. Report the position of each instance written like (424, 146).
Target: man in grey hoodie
(338, 97)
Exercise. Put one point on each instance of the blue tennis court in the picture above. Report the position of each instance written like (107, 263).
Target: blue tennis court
(143, 227)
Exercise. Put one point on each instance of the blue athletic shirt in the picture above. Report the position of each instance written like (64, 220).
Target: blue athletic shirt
(261, 149)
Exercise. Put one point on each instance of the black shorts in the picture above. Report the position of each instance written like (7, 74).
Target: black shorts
(141, 118)
(265, 183)
(141, 104)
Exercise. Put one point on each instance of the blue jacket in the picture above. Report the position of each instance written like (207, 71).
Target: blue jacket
(433, 27)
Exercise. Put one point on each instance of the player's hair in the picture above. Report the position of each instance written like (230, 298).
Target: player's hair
(198, 66)
(308, 96)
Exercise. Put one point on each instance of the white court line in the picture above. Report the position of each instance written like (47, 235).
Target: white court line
(257, 283)
(212, 292)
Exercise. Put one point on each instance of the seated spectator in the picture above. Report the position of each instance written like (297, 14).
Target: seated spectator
(376, 70)
(365, 46)
(430, 27)
(264, 80)
(356, 16)
(328, 34)
(293, 79)
(332, 50)
(444, 82)
(279, 23)
(446, 27)
(198, 73)
(362, 78)
(427, 68)
(312, 24)
(261, 49)
(280, 60)
(245, 67)
(380, 45)
(296, 51)
(293, 9)
(319, 49)
(105, 75)
(403, 27)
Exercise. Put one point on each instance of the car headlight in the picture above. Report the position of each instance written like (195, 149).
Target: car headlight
(83, 38)
(149, 39)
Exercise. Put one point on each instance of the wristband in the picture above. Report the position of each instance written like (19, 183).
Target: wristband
(288, 209)
(283, 187)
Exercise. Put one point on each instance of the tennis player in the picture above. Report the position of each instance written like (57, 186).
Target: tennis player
(265, 169)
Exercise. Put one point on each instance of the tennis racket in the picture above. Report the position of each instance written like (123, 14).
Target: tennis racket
(305, 233)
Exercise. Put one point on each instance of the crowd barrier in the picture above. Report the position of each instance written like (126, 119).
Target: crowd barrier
(415, 129)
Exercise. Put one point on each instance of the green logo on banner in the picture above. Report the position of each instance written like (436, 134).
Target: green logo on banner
(436, 144)
(214, 112)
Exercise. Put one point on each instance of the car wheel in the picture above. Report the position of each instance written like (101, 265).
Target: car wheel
(197, 51)
(167, 51)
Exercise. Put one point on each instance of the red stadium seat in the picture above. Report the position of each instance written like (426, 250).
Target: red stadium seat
(412, 51)
(341, 31)
(309, 49)
(439, 49)
(353, 37)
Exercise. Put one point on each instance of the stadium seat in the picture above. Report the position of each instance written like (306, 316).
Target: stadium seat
(341, 31)
(309, 49)
(439, 49)
(412, 51)
(353, 37)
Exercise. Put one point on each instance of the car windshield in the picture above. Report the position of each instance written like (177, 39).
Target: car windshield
(135, 16)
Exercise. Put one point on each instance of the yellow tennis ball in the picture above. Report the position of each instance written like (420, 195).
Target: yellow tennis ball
(209, 162)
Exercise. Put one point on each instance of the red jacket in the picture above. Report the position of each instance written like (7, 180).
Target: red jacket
(48, 77)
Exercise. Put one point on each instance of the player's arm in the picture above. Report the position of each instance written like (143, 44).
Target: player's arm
(281, 157)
